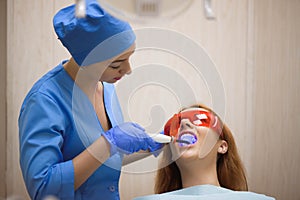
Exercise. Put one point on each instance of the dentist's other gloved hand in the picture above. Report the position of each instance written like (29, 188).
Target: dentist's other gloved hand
(129, 138)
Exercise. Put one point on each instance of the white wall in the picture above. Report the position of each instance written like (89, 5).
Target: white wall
(255, 46)
(276, 100)
(225, 40)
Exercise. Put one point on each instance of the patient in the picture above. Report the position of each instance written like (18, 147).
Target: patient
(207, 168)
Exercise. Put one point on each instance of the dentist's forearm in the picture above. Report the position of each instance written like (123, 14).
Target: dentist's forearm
(87, 162)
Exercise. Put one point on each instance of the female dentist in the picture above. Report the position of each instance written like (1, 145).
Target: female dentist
(71, 130)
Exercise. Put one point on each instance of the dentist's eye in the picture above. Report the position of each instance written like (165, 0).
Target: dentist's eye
(117, 63)
(114, 66)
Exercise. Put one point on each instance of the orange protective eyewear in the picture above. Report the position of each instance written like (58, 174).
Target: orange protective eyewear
(197, 116)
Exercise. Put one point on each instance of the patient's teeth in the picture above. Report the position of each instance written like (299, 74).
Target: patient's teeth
(192, 139)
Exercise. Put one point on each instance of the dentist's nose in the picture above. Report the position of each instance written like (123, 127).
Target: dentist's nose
(126, 68)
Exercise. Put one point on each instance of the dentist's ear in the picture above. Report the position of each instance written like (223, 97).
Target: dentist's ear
(223, 147)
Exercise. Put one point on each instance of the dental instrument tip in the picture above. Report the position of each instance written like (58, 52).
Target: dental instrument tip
(182, 141)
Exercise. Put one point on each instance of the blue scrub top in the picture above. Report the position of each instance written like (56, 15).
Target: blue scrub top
(51, 136)
(206, 192)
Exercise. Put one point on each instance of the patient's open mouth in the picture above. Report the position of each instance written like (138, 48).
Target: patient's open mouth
(189, 137)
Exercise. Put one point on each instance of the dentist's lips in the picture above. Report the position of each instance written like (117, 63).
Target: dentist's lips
(117, 78)
(187, 136)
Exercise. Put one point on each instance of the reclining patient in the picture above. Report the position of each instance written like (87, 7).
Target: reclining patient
(209, 167)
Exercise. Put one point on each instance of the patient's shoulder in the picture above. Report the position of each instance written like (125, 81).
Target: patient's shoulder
(206, 192)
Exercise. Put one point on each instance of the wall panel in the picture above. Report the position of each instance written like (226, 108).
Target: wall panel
(276, 158)
(32, 51)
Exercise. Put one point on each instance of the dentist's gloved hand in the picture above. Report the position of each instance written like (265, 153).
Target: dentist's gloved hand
(158, 149)
(129, 138)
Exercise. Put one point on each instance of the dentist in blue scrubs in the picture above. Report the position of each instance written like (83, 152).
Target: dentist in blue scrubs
(72, 134)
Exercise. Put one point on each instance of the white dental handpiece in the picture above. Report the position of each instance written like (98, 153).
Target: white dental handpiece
(160, 138)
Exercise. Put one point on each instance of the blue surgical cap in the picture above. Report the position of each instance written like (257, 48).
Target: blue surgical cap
(95, 38)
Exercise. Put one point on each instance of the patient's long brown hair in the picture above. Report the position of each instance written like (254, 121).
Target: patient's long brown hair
(230, 170)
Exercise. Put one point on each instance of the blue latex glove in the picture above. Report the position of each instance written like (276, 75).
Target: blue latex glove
(129, 138)
(158, 148)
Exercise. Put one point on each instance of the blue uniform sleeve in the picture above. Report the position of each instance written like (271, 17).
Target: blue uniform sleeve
(41, 133)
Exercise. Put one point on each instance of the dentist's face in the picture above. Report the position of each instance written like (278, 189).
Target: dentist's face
(117, 68)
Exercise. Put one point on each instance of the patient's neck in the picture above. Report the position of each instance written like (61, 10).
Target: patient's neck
(199, 173)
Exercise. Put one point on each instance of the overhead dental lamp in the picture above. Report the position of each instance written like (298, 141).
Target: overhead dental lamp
(80, 10)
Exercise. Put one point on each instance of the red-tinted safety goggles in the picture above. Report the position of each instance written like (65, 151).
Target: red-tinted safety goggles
(197, 116)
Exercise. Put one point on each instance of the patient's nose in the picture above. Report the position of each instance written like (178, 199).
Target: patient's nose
(185, 124)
